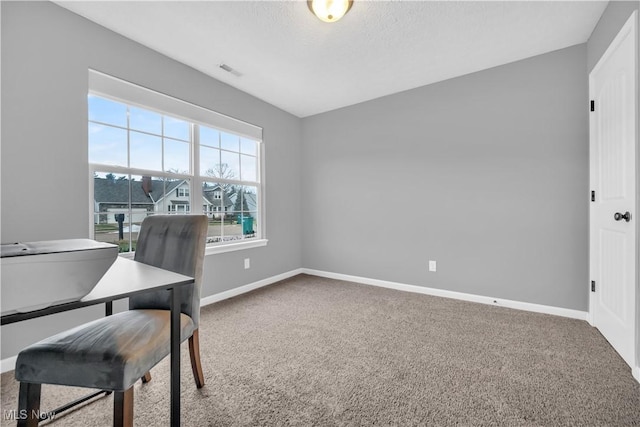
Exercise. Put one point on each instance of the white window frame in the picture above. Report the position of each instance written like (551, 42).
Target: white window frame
(109, 87)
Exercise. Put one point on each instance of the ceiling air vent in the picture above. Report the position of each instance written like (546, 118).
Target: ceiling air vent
(228, 69)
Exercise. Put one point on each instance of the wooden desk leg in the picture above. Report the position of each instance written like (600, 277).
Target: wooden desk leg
(175, 358)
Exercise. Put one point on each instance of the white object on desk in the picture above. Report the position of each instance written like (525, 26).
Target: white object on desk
(36, 275)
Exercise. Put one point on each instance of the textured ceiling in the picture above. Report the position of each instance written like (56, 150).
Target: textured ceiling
(289, 58)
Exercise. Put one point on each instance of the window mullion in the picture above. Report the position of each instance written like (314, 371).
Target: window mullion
(129, 234)
(196, 182)
(162, 159)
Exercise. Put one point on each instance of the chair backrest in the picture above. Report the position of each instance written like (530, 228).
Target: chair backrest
(176, 243)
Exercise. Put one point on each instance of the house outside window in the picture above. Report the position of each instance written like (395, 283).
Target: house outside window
(151, 154)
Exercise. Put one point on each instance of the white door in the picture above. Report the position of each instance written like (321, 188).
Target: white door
(612, 86)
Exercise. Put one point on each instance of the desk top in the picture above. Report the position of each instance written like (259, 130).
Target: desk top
(123, 279)
(127, 277)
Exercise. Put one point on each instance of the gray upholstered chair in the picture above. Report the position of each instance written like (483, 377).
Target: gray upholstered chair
(113, 352)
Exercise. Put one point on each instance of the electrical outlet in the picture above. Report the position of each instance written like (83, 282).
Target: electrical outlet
(247, 263)
(432, 265)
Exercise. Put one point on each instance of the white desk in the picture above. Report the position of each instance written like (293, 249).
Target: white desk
(124, 279)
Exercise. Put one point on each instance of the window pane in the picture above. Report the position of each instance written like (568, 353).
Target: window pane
(229, 167)
(248, 146)
(245, 199)
(107, 111)
(248, 168)
(245, 207)
(217, 197)
(176, 156)
(250, 224)
(107, 145)
(244, 226)
(209, 137)
(105, 228)
(229, 142)
(209, 162)
(234, 231)
(146, 151)
(145, 120)
(146, 197)
(176, 128)
(214, 233)
(216, 204)
(110, 191)
(177, 198)
(111, 206)
(147, 193)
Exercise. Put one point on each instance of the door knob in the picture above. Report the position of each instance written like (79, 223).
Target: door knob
(626, 216)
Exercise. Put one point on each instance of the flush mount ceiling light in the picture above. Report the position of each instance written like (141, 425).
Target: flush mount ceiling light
(329, 10)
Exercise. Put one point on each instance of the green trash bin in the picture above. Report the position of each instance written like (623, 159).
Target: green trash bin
(247, 224)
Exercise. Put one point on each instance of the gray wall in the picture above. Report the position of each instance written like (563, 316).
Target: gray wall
(614, 17)
(487, 174)
(46, 52)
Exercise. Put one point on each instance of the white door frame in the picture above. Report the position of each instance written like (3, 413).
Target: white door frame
(630, 24)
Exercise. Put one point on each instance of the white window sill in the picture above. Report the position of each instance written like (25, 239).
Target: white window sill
(230, 247)
(219, 249)
(127, 255)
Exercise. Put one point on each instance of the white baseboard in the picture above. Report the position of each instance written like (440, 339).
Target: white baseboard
(590, 317)
(636, 373)
(538, 308)
(248, 288)
(9, 363)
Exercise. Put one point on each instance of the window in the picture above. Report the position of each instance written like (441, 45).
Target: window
(149, 154)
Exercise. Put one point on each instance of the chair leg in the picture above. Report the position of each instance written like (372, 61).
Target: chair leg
(146, 377)
(29, 405)
(123, 408)
(194, 353)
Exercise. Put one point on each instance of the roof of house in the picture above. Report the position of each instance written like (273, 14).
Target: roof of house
(116, 191)
(208, 195)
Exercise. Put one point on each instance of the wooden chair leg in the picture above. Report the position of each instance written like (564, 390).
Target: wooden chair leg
(29, 405)
(146, 377)
(194, 353)
(123, 408)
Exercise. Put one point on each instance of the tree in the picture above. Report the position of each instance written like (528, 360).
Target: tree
(224, 171)
(221, 170)
(178, 171)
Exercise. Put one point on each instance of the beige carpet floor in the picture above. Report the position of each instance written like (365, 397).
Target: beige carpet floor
(310, 351)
